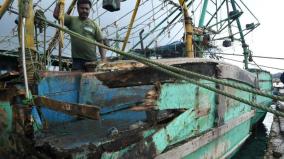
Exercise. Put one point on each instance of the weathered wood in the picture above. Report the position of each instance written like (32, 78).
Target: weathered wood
(221, 107)
(82, 110)
(9, 75)
(198, 142)
(227, 71)
(135, 74)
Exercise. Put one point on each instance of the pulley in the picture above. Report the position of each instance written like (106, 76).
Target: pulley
(234, 14)
(250, 26)
(227, 43)
(111, 5)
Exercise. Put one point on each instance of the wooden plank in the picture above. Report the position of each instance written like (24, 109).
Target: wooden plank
(82, 110)
(136, 76)
(198, 142)
(9, 75)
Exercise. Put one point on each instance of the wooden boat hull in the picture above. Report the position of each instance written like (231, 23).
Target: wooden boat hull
(148, 114)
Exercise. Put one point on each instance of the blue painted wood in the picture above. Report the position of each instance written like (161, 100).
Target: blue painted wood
(87, 89)
(92, 91)
(61, 88)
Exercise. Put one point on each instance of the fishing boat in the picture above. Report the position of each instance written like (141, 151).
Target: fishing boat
(167, 101)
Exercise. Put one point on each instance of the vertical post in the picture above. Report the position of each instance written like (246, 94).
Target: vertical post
(44, 45)
(203, 13)
(244, 45)
(26, 34)
(188, 30)
(200, 49)
(27, 13)
(61, 34)
(131, 24)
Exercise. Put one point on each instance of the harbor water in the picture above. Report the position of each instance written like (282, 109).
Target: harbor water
(255, 147)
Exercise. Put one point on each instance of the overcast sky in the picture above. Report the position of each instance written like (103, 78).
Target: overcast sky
(266, 40)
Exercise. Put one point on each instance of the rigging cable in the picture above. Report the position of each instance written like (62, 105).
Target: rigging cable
(141, 23)
(175, 35)
(280, 69)
(123, 16)
(265, 57)
(151, 31)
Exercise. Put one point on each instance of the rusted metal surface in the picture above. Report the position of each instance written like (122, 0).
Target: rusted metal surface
(150, 101)
(81, 110)
(114, 66)
(89, 138)
(57, 73)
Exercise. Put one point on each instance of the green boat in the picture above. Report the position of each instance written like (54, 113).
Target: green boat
(178, 105)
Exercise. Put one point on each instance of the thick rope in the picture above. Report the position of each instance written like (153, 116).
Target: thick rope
(186, 72)
(168, 70)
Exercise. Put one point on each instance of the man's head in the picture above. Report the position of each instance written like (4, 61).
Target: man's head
(84, 7)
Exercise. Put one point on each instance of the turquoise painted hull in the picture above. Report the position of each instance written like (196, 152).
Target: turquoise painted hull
(147, 114)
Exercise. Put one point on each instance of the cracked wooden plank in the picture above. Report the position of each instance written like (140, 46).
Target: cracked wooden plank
(81, 110)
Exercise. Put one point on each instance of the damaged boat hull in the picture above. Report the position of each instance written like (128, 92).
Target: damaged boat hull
(147, 114)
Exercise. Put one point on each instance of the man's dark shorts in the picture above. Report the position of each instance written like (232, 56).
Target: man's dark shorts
(79, 64)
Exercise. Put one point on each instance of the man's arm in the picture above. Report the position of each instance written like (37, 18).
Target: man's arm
(102, 52)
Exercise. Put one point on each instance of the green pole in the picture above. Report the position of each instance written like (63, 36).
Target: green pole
(244, 45)
(203, 13)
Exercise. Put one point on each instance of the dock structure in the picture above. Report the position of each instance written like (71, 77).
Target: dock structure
(276, 137)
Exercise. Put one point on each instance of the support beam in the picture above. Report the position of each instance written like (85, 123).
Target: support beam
(131, 24)
(81, 110)
(188, 30)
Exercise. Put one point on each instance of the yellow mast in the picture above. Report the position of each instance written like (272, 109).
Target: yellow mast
(131, 24)
(26, 36)
(61, 34)
(188, 30)
(5, 6)
(29, 25)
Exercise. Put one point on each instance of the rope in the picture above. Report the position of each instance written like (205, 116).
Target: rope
(265, 57)
(159, 25)
(280, 69)
(157, 66)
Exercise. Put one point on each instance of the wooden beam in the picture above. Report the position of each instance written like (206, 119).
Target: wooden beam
(81, 110)
(9, 75)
